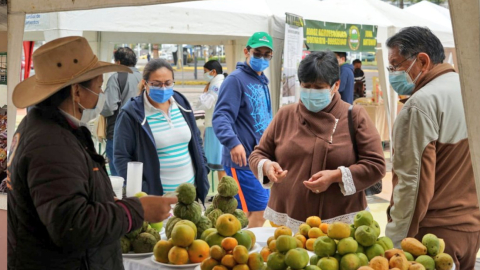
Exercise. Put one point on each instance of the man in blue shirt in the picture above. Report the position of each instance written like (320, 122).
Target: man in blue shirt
(242, 114)
(347, 80)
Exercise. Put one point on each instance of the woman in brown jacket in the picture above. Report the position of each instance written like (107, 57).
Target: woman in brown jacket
(61, 208)
(306, 155)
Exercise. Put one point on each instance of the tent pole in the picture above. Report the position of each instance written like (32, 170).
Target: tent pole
(466, 29)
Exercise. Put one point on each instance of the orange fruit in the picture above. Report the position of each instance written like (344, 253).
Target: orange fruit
(299, 243)
(270, 239)
(178, 255)
(161, 250)
(229, 261)
(309, 244)
(304, 229)
(219, 267)
(273, 224)
(314, 221)
(265, 252)
(198, 251)
(315, 233)
(282, 230)
(228, 225)
(183, 236)
(240, 254)
(241, 267)
(229, 243)
(273, 245)
(217, 252)
(208, 264)
(301, 238)
(324, 227)
(255, 261)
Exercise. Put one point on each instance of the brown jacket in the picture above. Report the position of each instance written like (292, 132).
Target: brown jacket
(433, 176)
(305, 143)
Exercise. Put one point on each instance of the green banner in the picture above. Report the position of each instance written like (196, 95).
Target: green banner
(339, 37)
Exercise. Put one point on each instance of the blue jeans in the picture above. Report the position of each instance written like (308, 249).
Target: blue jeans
(109, 151)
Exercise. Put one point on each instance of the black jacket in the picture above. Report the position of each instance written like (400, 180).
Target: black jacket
(61, 210)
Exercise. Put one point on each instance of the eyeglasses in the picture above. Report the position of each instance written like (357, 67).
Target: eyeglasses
(394, 68)
(258, 55)
(161, 84)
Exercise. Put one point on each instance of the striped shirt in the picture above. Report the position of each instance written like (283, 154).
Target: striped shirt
(172, 136)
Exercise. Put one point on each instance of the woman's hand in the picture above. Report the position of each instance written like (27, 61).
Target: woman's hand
(320, 181)
(274, 171)
(238, 155)
(157, 208)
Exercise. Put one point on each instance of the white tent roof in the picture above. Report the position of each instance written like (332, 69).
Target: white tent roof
(432, 12)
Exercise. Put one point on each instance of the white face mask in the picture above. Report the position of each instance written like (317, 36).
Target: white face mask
(207, 77)
(90, 114)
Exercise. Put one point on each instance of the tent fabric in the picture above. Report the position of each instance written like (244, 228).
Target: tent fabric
(432, 12)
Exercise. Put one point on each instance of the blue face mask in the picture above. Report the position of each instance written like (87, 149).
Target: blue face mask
(259, 64)
(402, 82)
(159, 94)
(315, 100)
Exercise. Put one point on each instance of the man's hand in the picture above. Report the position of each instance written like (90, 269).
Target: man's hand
(157, 208)
(274, 171)
(239, 156)
(322, 180)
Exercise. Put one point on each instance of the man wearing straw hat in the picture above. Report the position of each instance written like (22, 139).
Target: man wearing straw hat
(62, 211)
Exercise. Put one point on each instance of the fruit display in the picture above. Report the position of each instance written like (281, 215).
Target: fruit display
(182, 248)
(227, 225)
(187, 209)
(230, 255)
(141, 240)
(225, 203)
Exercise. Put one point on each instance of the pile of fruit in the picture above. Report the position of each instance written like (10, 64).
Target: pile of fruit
(141, 240)
(230, 255)
(187, 209)
(228, 225)
(182, 248)
(225, 202)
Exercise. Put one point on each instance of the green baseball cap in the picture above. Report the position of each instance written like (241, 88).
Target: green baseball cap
(260, 39)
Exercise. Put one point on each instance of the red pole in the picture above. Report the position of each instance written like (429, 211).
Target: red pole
(28, 50)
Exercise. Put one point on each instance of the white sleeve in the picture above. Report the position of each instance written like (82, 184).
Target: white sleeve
(347, 186)
(260, 174)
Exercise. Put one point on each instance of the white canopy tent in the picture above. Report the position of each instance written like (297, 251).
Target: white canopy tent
(432, 12)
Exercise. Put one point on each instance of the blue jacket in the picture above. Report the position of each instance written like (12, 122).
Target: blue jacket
(243, 111)
(133, 141)
(347, 80)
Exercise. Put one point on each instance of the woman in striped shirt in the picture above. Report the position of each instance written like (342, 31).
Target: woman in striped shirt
(158, 128)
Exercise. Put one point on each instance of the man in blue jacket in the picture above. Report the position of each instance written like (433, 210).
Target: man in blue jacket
(347, 80)
(242, 113)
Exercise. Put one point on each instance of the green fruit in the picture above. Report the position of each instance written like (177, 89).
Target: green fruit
(324, 246)
(352, 230)
(209, 210)
(227, 187)
(365, 236)
(376, 228)
(213, 216)
(314, 259)
(443, 261)
(133, 234)
(244, 239)
(140, 194)
(241, 216)
(338, 257)
(347, 245)
(226, 204)
(350, 262)
(296, 258)
(328, 263)
(203, 224)
(186, 193)
(170, 225)
(214, 239)
(363, 218)
(374, 251)
(189, 224)
(144, 243)
(363, 259)
(145, 226)
(125, 244)
(157, 226)
(154, 232)
(285, 243)
(426, 261)
(409, 256)
(191, 212)
(276, 261)
(360, 249)
(312, 267)
(431, 242)
(385, 242)
(207, 232)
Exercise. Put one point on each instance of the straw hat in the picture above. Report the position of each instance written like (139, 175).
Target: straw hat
(57, 64)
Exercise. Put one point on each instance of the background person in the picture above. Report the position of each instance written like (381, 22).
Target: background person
(347, 79)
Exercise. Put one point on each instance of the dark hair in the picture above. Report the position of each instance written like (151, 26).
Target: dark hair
(152, 66)
(126, 56)
(342, 55)
(319, 67)
(413, 40)
(356, 61)
(214, 64)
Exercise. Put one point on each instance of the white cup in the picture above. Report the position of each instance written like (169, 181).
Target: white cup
(134, 178)
(117, 185)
